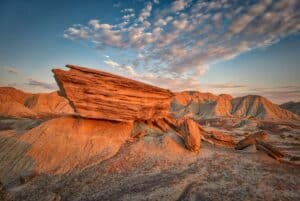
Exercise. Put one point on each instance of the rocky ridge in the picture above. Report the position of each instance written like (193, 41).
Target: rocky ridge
(205, 105)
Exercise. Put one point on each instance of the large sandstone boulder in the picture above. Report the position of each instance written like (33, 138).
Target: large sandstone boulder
(100, 95)
(191, 134)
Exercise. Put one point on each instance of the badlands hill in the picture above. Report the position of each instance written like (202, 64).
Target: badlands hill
(292, 107)
(18, 104)
(206, 105)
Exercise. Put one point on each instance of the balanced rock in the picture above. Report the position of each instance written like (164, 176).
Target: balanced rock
(100, 95)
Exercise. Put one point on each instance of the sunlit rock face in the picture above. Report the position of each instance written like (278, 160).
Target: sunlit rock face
(100, 95)
(192, 135)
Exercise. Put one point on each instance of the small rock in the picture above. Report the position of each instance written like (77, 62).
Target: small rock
(251, 140)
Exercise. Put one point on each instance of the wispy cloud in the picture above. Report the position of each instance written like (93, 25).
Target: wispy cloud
(11, 70)
(182, 39)
(44, 85)
(224, 86)
(112, 63)
(127, 69)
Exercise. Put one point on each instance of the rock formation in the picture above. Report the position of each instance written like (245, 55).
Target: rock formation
(191, 134)
(218, 138)
(251, 140)
(205, 106)
(100, 95)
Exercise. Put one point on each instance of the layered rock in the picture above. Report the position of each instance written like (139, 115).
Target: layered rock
(100, 95)
(192, 135)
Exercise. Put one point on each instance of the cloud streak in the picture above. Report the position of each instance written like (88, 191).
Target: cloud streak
(11, 70)
(44, 85)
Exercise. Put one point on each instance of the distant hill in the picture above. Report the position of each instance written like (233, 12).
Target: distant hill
(18, 104)
(206, 105)
(292, 107)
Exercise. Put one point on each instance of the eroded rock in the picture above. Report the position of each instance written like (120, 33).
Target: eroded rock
(100, 95)
(251, 139)
(191, 134)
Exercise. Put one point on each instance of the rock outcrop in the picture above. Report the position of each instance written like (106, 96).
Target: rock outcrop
(218, 138)
(100, 95)
(251, 140)
(191, 134)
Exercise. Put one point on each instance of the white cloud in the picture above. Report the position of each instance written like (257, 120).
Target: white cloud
(112, 63)
(127, 10)
(179, 5)
(128, 16)
(146, 12)
(130, 70)
(41, 84)
(184, 38)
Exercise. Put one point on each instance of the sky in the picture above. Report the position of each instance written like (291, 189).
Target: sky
(237, 47)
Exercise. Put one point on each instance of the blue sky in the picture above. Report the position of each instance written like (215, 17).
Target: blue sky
(236, 47)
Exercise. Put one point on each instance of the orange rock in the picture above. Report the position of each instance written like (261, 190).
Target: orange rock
(100, 95)
(191, 134)
(218, 138)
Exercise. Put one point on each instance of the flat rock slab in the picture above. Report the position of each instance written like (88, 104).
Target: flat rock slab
(101, 95)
